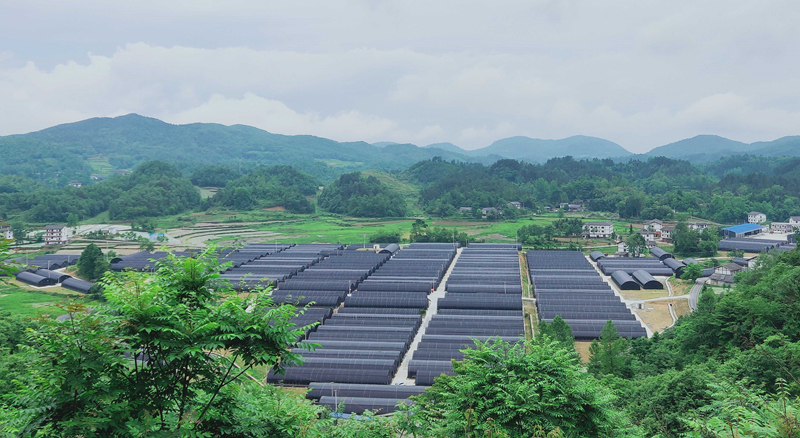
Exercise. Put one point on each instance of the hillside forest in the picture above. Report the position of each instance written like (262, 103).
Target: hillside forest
(663, 188)
(729, 369)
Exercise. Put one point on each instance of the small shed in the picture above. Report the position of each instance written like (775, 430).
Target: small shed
(34, 279)
(390, 249)
(741, 261)
(660, 253)
(676, 266)
(596, 255)
(646, 280)
(624, 281)
(77, 285)
(58, 277)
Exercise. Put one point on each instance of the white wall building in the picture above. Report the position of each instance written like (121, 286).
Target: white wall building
(598, 229)
(649, 237)
(756, 217)
(6, 233)
(781, 227)
(57, 235)
(698, 226)
(653, 225)
(795, 221)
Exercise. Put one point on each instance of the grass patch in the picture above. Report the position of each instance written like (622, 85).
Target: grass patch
(100, 166)
(23, 302)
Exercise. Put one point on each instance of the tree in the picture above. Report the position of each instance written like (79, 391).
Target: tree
(515, 389)
(692, 272)
(559, 331)
(607, 355)
(189, 339)
(20, 233)
(146, 244)
(635, 244)
(72, 220)
(92, 264)
(5, 269)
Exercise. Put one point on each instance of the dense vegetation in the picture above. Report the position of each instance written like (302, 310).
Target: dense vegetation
(74, 151)
(155, 188)
(728, 369)
(353, 194)
(656, 188)
(264, 187)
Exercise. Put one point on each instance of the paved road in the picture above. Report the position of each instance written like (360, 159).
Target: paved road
(401, 377)
(694, 294)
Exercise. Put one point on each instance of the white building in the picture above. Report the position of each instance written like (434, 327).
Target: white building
(781, 227)
(666, 233)
(653, 225)
(649, 237)
(795, 221)
(56, 235)
(698, 226)
(6, 233)
(756, 217)
(594, 230)
(515, 204)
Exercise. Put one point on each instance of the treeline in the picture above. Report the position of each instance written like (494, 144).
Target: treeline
(154, 189)
(264, 187)
(656, 188)
(742, 346)
(354, 194)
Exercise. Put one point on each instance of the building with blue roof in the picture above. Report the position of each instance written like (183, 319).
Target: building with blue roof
(742, 230)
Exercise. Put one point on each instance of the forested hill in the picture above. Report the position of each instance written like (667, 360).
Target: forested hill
(78, 150)
(707, 148)
(538, 150)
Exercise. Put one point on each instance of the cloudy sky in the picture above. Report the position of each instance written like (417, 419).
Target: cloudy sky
(638, 72)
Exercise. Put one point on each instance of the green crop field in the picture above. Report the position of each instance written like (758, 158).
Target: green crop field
(19, 301)
(100, 166)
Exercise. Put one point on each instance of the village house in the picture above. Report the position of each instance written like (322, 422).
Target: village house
(697, 226)
(653, 225)
(57, 235)
(666, 233)
(6, 233)
(795, 221)
(515, 204)
(490, 211)
(594, 230)
(756, 217)
(724, 274)
(649, 236)
(571, 207)
(781, 227)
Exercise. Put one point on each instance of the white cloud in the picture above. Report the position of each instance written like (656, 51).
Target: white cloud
(641, 73)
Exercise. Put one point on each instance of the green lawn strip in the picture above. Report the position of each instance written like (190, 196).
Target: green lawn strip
(23, 302)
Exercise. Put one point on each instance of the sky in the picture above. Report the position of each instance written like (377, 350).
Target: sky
(637, 72)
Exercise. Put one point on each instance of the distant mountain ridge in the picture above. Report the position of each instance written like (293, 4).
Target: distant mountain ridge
(75, 150)
(539, 150)
(704, 148)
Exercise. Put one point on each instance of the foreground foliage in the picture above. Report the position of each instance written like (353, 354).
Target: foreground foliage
(156, 360)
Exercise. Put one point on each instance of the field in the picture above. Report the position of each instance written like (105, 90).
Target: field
(27, 303)
(100, 166)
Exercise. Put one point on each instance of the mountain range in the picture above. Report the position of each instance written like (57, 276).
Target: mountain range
(122, 142)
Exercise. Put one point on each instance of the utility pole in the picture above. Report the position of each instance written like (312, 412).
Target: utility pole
(365, 240)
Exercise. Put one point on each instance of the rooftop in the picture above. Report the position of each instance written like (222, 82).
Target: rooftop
(743, 228)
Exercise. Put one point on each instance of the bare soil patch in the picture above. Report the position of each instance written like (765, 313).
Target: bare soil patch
(582, 348)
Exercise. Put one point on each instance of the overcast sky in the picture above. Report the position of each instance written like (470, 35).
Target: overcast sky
(640, 73)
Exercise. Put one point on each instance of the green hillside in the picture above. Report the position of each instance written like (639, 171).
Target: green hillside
(538, 150)
(707, 148)
(75, 149)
